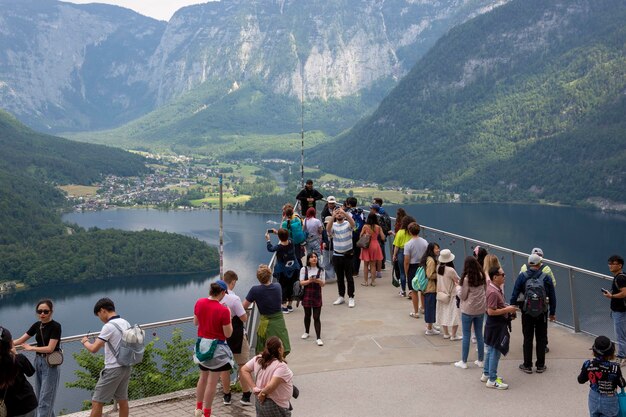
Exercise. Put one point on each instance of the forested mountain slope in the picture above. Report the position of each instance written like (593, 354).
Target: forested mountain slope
(526, 102)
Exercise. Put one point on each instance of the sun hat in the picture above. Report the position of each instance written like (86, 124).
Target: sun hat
(538, 251)
(534, 259)
(603, 346)
(445, 256)
(331, 199)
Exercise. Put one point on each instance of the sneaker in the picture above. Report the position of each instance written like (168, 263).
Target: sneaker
(460, 364)
(350, 302)
(474, 339)
(526, 369)
(446, 336)
(431, 332)
(305, 336)
(402, 293)
(227, 398)
(547, 349)
(485, 378)
(414, 315)
(290, 308)
(198, 413)
(285, 310)
(436, 327)
(456, 337)
(478, 363)
(379, 274)
(245, 399)
(319, 342)
(339, 300)
(497, 384)
(541, 369)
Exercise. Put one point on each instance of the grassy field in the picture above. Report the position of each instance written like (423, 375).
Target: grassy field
(79, 190)
(215, 200)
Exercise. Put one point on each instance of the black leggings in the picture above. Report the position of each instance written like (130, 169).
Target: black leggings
(316, 320)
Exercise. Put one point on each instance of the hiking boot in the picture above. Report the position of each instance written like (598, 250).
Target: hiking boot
(339, 300)
(227, 399)
(526, 369)
(497, 384)
(541, 369)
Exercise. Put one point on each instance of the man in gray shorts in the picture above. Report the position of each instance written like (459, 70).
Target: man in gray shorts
(113, 381)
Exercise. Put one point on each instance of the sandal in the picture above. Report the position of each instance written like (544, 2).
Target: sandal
(414, 315)
(373, 284)
(364, 284)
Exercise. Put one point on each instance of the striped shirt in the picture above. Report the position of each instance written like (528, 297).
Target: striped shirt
(342, 237)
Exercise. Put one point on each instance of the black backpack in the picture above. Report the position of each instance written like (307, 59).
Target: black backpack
(535, 300)
(298, 289)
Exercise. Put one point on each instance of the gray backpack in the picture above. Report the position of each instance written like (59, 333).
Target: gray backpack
(131, 347)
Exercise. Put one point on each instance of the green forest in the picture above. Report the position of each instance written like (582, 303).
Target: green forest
(523, 103)
(37, 248)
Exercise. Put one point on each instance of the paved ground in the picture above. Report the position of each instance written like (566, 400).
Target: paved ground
(376, 361)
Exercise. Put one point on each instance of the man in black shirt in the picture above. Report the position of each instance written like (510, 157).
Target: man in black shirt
(618, 304)
(308, 196)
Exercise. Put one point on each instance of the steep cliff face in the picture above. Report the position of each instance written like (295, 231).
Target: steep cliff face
(65, 66)
(83, 67)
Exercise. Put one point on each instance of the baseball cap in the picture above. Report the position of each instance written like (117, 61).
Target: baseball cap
(538, 251)
(222, 284)
(331, 199)
(534, 259)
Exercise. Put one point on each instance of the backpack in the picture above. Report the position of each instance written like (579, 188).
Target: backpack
(535, 295)
(295, 230)
(298, 289)
(131, 347)
(384, 221)
(419, 280)
(357, 216)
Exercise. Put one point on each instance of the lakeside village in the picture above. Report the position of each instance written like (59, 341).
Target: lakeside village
(186, 183)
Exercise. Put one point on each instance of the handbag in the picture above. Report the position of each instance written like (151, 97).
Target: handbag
(54, 358)
(394, 278)
(443, 297)
(364, 241)
(621, 399)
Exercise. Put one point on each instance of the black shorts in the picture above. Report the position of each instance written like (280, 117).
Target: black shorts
(226, 367)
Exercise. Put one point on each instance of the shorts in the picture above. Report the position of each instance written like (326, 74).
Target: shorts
(112, 384)
(226, 367)
(244, 356)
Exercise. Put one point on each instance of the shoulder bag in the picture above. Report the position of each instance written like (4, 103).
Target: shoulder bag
(364, 240)
(54, 358)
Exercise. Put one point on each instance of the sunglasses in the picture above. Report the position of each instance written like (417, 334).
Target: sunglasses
(43, 311)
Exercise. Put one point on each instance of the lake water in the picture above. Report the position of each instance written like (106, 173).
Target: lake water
(579, 237)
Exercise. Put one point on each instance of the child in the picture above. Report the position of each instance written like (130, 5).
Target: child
(604, 377)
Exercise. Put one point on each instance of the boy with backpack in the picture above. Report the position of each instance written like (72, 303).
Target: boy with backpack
(114, 337)
(533, 292)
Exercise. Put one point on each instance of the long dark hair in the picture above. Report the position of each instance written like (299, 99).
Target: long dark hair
(271, 352)
(406, 221)
(442, 267)
(430, 251)
(372, 221)
(400, 213)
(480, 253)
(473, 272)
(8, 367)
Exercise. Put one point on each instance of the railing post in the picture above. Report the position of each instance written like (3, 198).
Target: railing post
(513, 263)
(464, 248)
(573, 301)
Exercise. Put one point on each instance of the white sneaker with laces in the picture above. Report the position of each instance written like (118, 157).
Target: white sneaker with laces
(456, 337)
(319, 342)
(460, 364)
(485, 378)
(431, 332)
(305, 336)
(339, 300)
(497, 384)
(350, 302)
(478, 363)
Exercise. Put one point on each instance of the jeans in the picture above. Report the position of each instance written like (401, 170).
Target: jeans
(401, 266)
(602, 406)
(537, 327)
(490, 367)
(47, 381)
(343, 270)
(466, 321)
(619, 323)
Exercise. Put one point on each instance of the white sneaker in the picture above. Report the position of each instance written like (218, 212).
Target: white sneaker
(305, 336)
(485, 378)
(460, 364)
(456, 337)
(478, 363)
(319, 342)
(198, 413)
(339, 300)
(431, 332)
(446, 336)
(436, 327)
(350, 302)
(497, 384)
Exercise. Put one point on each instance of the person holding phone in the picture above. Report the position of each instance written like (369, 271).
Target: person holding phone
(617, 295)
(287, 266)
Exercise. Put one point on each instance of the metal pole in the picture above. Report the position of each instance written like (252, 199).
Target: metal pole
(221, 227)
(302, 125)
(575, 317)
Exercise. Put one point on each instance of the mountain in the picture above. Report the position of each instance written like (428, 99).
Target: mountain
(526, 102)
(231, 66)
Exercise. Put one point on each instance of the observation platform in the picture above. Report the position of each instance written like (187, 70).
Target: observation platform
(376, 361)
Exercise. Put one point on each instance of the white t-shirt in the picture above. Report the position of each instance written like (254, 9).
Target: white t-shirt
(313, 226)
(415, 249)
(312, 273)
(233, 302)
(110, 333)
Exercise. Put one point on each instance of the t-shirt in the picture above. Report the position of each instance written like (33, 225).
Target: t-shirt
(212, 316)
(402, 237)
(312, 227)
(312, 273)
(20, 397)
(110, 334)
(495, 297)
(276, 368)
(415, 249)
(268, 298)
(619, 282)
(342, 237)
(233, 302)
(50, 330)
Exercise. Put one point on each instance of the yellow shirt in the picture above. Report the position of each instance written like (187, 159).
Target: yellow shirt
(401, 238)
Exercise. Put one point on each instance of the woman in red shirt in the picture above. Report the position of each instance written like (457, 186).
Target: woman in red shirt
(212, 352)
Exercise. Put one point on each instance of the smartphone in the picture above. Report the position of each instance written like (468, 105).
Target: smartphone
(270, 230)
(604, 290)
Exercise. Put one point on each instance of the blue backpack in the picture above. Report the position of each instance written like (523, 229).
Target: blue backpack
(296, 233)
(359, 221)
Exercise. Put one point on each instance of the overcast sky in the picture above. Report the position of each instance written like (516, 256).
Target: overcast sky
(158, 9)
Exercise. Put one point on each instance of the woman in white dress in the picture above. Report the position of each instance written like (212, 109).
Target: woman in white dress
(448, 315)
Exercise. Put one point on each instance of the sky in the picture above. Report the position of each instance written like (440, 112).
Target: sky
(158, 9)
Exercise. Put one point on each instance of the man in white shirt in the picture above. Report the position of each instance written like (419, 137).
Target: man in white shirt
(113, 381)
